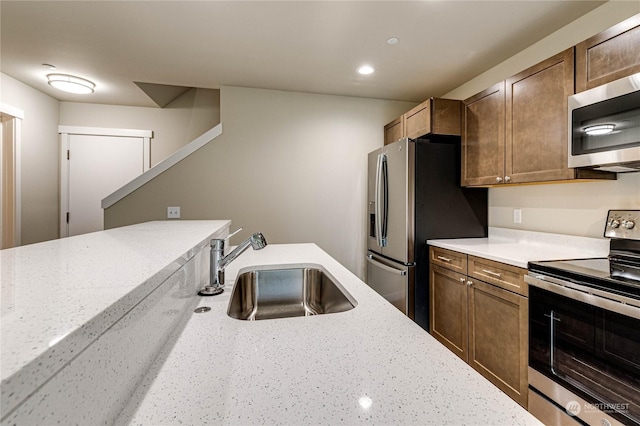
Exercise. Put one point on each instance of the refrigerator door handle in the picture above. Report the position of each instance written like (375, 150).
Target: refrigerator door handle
(385, 267)
(381, 200)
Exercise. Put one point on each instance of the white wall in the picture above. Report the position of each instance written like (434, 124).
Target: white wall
(39, 158)
(572, 208)
(291, 165)
(180, 122)
(186, 118)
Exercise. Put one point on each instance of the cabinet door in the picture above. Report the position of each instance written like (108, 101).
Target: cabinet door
(417, 121)
(498, 333)
(394, 130)
(608, 56)
(434, 116)
(536, 121)
(483, 138)
(448, 306)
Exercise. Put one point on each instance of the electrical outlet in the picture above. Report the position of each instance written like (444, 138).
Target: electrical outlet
(173, 212)
(517, 215)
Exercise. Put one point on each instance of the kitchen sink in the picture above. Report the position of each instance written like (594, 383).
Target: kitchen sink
(288, 292)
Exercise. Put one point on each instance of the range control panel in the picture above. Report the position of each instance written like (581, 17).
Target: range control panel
(623, 224)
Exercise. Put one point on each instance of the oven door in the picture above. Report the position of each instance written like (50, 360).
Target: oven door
(593, 352)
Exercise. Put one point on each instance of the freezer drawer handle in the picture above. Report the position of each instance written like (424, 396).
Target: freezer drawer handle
(385, 267)
(446, 259)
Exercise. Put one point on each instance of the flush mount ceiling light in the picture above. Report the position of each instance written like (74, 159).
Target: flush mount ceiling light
(70, 83)
(366, 69)
(393, 40)
(599, 129)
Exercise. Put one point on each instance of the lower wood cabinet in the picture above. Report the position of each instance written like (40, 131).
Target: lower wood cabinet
(483, 323)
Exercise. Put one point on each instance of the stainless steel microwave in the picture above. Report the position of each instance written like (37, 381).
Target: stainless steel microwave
(604, 126)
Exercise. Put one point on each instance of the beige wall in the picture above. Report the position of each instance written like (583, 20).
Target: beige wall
(39, 153)
(599, 19)
(572, 208)
(290, 165)
(180, 122)
(186, 118)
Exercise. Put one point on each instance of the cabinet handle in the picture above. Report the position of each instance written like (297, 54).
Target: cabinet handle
(507, 178)
(495, 274)
(498, 179)
(462, 280)
(446, 259)
(469, 283)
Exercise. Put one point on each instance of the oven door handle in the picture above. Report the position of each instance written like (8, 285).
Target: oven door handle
(552, 339)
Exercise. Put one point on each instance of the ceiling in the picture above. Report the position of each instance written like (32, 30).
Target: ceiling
(306, 46)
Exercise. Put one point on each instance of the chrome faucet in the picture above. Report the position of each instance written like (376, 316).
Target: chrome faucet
(218, 261)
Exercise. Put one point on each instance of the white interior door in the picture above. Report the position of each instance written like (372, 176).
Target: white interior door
(10, 169)
(96, 166)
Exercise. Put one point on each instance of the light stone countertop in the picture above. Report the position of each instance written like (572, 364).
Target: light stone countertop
(370, 365)
(517, 248)
(61, 295)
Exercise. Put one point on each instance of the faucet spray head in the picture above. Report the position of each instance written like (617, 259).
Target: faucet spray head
(258, 242)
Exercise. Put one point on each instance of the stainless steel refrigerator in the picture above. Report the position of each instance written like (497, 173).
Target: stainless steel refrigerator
(414, 194)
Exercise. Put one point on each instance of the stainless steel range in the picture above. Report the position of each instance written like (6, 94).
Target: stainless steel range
(584, 332)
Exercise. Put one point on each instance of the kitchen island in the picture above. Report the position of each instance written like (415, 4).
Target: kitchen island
(84, 317)
(159, 363)
(369, 365)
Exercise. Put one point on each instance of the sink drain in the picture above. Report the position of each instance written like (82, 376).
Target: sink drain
(202, 309)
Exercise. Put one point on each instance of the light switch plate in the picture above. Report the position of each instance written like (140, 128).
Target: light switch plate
(173, 212)
(517, 215)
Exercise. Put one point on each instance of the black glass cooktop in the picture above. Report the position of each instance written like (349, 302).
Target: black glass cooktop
(597, 273)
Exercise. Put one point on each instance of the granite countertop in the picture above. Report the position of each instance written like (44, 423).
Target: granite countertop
(59, 296)
(517, 248)
(369, 365)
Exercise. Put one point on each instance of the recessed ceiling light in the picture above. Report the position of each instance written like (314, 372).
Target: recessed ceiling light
(393, 40)
(366, 69)
(71, 83)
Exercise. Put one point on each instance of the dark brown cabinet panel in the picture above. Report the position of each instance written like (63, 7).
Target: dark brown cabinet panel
(536, 123)
(516, 131)
(483, 145)
(608, 56)
(498, 338)
(449, 259)
(434, 116)
(449, 324)
(506, 276)
(394, 130)
(480, 320)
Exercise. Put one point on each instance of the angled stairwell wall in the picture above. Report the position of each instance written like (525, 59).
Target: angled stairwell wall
(291, 165)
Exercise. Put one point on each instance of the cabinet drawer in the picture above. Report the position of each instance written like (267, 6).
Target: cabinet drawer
(448, 259)
(499, 274)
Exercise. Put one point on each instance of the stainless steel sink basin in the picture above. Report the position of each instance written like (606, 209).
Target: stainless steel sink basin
(282, 293)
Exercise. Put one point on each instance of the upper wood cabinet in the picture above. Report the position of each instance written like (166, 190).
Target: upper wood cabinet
(433, 116)
(483, 145)
(516, 131)
(394, 130)
(608, 56)
(536, 121)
